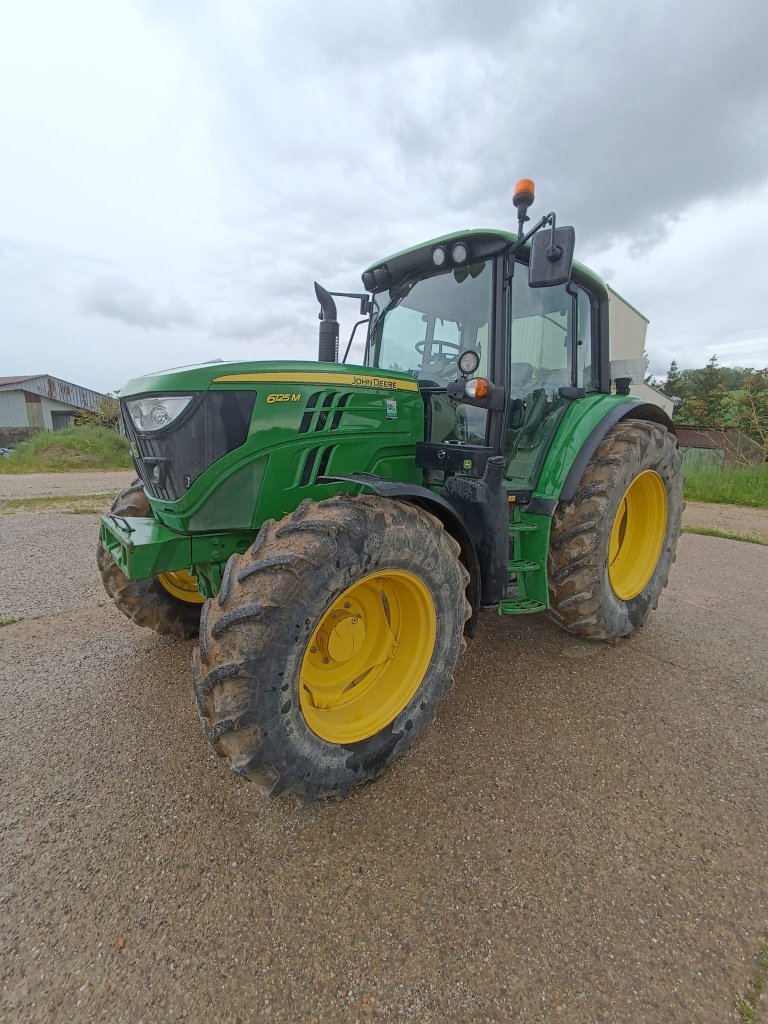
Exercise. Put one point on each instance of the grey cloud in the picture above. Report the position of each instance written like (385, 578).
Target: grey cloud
(625, 115)
(120, 299)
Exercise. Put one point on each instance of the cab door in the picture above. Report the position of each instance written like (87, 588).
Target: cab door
(549, 363)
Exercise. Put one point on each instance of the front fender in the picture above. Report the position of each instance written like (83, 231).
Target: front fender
(442, 510)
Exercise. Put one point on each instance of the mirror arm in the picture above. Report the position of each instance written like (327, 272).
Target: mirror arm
(548, 218)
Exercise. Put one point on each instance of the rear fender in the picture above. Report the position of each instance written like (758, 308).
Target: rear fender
(581, 432)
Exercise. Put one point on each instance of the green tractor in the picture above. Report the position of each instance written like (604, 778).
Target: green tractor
(332, 531)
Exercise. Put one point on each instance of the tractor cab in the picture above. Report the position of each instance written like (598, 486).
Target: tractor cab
(498, 356)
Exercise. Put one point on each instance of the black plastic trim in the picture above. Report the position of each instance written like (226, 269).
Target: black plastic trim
(541, 506)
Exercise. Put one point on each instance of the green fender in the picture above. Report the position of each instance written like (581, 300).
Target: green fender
(582, 428)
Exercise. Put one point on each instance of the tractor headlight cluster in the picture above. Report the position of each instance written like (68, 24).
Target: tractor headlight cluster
(158, 411)
(459, 254)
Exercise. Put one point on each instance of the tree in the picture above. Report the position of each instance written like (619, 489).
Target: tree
(706, 406)
(107, 414)
(751, 412)
(673, 385)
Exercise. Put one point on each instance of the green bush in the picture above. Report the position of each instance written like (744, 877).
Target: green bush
(742, 486)
(76, 448)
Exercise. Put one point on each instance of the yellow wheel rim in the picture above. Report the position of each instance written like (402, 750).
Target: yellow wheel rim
(367, 657)
(182, 585)
(637, 535)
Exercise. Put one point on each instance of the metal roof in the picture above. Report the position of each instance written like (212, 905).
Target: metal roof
(17, 380)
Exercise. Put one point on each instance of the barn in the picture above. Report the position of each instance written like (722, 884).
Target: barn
(31, 404)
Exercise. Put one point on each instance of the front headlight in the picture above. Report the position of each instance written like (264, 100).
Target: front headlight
(158, 411)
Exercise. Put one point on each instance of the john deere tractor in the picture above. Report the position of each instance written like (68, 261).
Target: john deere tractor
(332, 531)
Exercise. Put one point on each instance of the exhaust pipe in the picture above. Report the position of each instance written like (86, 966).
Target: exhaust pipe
(328, 346)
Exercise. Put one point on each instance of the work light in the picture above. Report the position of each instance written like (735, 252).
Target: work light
(439, 256)
(459, 253)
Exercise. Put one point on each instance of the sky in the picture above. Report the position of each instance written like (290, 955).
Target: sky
(176, 173)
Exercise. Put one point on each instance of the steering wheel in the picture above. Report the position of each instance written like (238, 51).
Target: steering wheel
(441, 362)
(439, 348)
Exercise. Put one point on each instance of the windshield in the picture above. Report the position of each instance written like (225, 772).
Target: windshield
(421, 327)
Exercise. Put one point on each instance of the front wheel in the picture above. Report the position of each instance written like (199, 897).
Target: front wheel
(330, 644)
(613, 545)
(170, 602)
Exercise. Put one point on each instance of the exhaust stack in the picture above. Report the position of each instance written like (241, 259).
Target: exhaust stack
(328, 342)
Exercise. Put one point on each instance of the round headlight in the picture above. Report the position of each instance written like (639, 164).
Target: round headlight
(459, 253)
(469, 361)
(439, 256)
(154, 413)
(160, 416)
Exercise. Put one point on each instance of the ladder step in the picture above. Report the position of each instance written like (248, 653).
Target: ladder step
(520, 606)
(521, 527)
(522, 565)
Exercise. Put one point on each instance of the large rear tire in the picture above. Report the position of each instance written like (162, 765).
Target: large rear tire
(613, 544)
(330, 644)
(169, 603)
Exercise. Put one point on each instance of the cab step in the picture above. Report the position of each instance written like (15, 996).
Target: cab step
(520, 606)
(529, 539)
(522, 565)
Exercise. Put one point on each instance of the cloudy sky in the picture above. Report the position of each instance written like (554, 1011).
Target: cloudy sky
(176, 173)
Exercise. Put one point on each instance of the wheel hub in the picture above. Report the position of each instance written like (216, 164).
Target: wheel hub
(367, 656)
(345, 639)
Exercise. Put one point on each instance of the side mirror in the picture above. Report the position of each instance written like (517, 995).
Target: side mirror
(551, 257)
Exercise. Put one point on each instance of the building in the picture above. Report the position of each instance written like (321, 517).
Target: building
(626, 330)
(708, 448)
(29, 405)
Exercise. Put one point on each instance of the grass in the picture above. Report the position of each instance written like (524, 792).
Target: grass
(8, 620)
(84, 504)
(78, 448)
(747, 1002)
(747, 486)
(705, 531)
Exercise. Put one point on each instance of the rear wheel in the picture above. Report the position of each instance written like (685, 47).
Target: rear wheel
(168, 603)
(330, 644)
(612, 546)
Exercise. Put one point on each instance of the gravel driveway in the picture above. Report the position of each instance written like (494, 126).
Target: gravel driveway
(580, 836)
(44, 485)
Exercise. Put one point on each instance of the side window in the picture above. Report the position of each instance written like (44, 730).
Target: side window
(586, 374)
(541, 336)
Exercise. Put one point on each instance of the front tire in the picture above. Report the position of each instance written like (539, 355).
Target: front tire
(613, 544)
(330, 644)
(169, 603)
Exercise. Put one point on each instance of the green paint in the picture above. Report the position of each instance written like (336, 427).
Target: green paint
(277, 466)
(578, 422)
(530, 544)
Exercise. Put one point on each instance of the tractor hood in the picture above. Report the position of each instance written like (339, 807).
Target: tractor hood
(247, 375)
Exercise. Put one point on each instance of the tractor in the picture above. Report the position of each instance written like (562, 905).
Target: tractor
(331, 532)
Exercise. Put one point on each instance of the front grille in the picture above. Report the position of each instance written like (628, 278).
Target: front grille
(170, 460)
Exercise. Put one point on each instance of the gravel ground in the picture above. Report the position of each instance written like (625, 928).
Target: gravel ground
(750, 522)
(581, 835)
(44, 485)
